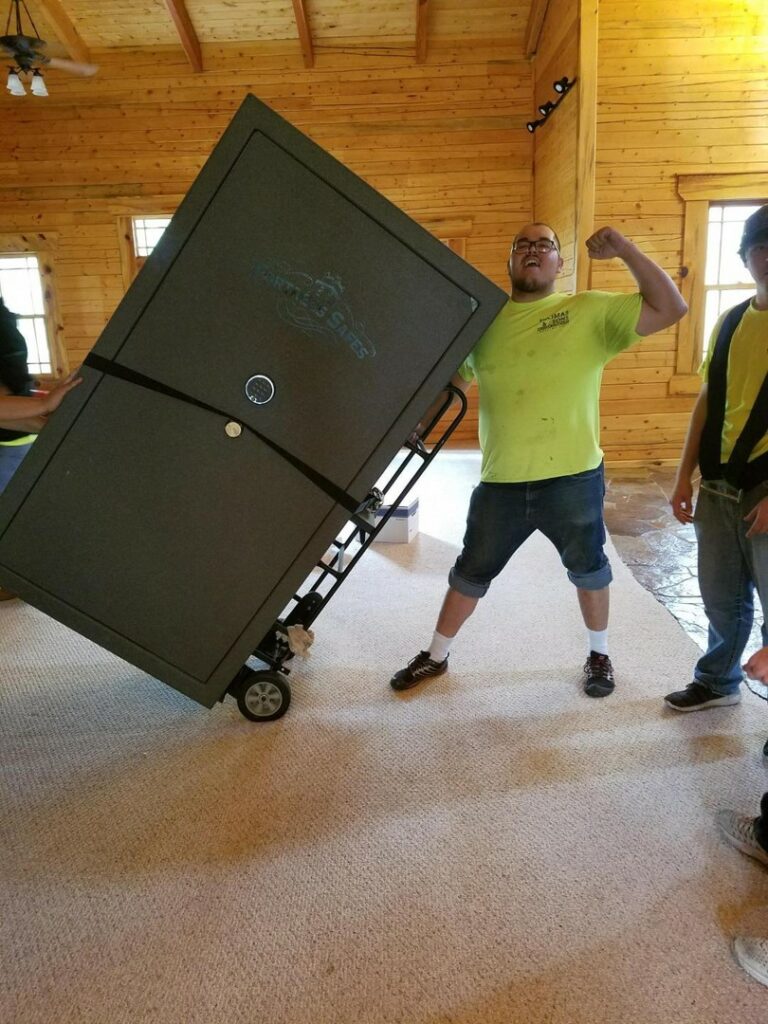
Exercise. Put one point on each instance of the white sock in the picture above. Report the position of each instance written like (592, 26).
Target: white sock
(440, 646)
(598, 641)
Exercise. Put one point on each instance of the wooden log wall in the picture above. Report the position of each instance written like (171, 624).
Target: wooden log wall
(444, 140)
(682, 89)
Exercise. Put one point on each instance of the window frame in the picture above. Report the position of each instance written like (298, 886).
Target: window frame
(698, 192)
(42, 247)
(130, 262)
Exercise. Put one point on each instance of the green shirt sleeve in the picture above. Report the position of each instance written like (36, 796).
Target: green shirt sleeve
(465, 370)
(620, 321)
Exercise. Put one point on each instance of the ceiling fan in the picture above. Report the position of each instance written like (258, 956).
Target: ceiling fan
(27, 51)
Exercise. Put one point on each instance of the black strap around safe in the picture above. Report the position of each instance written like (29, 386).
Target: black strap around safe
(738, 470)
(112, 369)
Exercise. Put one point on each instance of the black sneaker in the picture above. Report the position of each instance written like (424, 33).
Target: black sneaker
(697, 696)
(419, 668)
(598, 675)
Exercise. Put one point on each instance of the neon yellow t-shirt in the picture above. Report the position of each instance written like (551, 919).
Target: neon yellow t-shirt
(747, 367)
(538, 369)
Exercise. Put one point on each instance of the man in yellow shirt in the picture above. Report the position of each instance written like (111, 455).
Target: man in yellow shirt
(538, 370)
(728, 438)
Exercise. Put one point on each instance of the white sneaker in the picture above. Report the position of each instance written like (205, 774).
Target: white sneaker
(752, 956)
(739, 830)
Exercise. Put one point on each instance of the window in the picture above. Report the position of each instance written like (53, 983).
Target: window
(712, 277)
(21, 288)
(138, 237)
(726, 280)
(147, 232)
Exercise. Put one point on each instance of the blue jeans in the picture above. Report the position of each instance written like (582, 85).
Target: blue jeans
(11, 456)
(731, 566)
(567, 509)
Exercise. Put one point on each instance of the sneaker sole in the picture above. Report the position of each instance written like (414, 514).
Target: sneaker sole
(719, 702)
(748, 851)
(596, 690)
(745, 965)
(398, 686)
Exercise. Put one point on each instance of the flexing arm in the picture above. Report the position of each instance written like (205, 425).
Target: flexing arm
(663, 305)
(682, 495)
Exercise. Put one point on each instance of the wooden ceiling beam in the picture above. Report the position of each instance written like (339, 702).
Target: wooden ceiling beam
(305, 33)
(535, 24)
(66, 33)
(422, 21)
(187, 34)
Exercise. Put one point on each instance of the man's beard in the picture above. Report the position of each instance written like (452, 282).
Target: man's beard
(528, 284)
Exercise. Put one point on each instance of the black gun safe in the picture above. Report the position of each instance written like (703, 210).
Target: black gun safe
(266, 365)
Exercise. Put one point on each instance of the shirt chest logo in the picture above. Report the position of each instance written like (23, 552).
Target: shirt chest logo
(547, 323)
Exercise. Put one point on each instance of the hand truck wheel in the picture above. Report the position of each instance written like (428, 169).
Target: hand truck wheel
(261, 696)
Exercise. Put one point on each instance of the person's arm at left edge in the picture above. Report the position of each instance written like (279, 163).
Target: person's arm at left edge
(24, 412)
(663, 305)
(31, 425)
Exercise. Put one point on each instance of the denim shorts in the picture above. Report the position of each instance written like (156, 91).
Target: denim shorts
(566, 509)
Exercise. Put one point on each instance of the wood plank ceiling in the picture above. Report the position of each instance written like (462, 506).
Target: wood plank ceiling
(81, 28)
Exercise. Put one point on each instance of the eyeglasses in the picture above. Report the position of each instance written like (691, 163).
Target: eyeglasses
(540, 245)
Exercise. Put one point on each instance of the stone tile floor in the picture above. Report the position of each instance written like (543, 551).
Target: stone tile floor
(660, 552)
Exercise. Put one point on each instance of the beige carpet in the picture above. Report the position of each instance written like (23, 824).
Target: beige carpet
(496, 848)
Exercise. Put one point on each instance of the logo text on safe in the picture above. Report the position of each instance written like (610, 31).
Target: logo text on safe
(314, 305)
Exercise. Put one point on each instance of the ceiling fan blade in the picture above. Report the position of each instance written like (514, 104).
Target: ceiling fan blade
(72, 66)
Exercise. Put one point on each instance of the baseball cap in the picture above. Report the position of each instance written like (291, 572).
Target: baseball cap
(755, 230)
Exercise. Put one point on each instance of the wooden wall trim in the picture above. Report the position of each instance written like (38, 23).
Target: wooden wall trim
(692, 287)
(587, 137)
(723, 185)
(126, 247)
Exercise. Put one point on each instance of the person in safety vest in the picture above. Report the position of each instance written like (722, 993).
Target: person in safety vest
(728, 438)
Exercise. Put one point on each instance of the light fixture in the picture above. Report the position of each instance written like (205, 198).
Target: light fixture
(561, 87)
(26, 50)
(14, 85)
(23, 46)
(37, 85)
